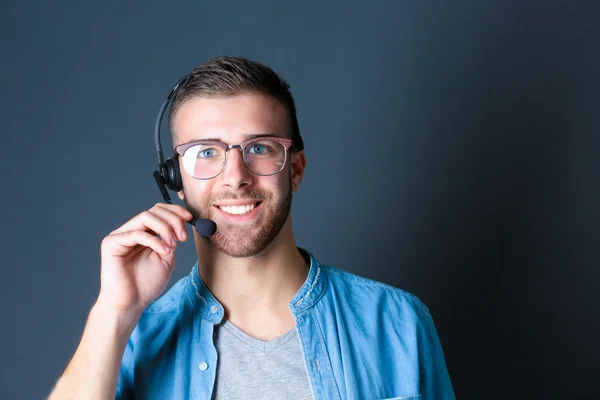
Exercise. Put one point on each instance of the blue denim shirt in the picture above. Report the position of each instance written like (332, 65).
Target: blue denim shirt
(360, 339)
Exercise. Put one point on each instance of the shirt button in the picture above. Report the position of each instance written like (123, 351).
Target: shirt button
(203, 366)
(214, 309)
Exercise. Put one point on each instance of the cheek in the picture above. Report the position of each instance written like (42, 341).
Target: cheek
(278, 186)
(197, 192)
(201, 193)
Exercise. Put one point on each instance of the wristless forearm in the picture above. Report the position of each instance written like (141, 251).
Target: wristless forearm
(94, 369)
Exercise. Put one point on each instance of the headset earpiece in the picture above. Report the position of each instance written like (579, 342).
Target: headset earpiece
(173, 175)
(169, 174)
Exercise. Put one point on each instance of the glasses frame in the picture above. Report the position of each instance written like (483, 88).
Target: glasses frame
(180, 150)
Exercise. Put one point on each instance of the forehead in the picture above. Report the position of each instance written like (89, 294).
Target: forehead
(230, 118)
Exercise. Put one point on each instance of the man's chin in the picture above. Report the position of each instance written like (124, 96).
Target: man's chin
(243, 239)
(251, 237)
(237, 246)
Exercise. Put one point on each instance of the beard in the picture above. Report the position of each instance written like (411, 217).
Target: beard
(243, 240)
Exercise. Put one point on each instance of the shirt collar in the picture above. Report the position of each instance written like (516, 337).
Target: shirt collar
(308, 294)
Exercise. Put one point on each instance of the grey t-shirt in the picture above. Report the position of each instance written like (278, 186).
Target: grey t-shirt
(248, 368)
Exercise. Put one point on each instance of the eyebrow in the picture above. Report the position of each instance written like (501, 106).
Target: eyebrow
(246, 137)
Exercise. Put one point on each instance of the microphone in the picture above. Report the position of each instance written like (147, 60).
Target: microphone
(204, 227)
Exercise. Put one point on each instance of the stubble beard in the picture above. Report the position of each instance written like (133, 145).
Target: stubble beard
(244, 240)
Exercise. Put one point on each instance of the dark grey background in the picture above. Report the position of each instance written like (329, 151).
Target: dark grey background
(453, 151)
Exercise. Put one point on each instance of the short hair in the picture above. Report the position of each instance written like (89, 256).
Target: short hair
(225, 76)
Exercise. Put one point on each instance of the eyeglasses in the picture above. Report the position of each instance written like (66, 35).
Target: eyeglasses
(205, 159)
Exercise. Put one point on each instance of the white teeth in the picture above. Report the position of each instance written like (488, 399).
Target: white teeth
(237, 210)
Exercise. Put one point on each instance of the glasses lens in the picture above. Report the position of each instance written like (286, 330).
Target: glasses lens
(264, 156)
(204, 161)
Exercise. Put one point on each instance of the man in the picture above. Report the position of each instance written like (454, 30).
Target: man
(258, 317)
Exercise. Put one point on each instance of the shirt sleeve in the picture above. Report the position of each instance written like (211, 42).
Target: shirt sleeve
(435, 379)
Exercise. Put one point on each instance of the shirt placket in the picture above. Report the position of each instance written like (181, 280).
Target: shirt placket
(316, 359)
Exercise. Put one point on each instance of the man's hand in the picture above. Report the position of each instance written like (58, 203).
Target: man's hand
(136, 264)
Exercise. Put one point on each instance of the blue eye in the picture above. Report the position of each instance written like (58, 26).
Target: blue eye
(258, 149)
(207, 153)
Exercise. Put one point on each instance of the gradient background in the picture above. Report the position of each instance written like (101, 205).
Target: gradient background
(453, 151)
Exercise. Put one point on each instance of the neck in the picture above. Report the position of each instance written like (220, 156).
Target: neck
(255, 290)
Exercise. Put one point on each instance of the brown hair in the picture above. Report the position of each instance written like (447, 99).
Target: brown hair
(229, 76)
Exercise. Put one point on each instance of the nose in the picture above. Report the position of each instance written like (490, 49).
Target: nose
(235, 175)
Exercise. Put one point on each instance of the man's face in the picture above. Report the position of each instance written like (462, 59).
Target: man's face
(230, 120)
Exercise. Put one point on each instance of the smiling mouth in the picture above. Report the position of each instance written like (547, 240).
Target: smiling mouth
(239, 210)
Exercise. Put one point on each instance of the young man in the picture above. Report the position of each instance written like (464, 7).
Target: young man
(257, 317)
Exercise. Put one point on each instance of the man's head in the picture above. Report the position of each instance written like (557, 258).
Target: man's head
(231, 76)
(229, 99)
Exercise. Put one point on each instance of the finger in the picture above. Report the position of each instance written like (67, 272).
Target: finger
(136, 222)
(148, 221)
(121, 244)
(172, 218)
(177, 209)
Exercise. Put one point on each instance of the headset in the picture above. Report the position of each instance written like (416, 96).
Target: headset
(168, 174)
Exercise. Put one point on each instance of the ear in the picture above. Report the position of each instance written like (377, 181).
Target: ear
(298, 165)
(180, 195)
